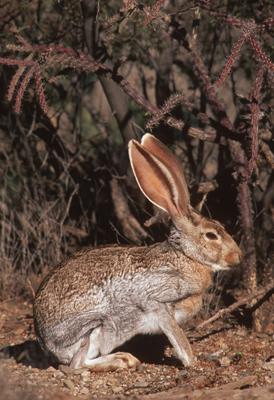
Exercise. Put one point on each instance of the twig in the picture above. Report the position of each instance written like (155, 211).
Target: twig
(262, 292)
(31, 288)
(253, 131)
(66, 213)
(269, 156)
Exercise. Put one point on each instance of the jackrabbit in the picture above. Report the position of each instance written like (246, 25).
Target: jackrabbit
(100, 298)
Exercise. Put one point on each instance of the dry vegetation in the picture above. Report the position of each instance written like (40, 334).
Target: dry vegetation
(88, 80)
(80, 79)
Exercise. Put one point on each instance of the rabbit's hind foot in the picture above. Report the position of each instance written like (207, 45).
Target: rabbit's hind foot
(109, 362)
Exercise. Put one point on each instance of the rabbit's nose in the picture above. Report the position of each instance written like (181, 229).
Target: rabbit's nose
(238, 256)
(234, 257)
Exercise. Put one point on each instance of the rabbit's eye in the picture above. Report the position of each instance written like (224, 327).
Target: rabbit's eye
(211, 235)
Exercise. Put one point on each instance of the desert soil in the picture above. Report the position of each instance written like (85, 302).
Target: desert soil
(229, 357)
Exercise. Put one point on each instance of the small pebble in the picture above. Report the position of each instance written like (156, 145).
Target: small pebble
(85, 373)
(214, 356)
(99, 382)
(269, 365)
(69, 384)
(84, 390)
(224, 362)
(242, 332)
(51, 369)
(65, 369)
(117, 389)
(112, 381)
(200, 382)
(57, 374)
(141, 384)
(269, 379)
(141, 368)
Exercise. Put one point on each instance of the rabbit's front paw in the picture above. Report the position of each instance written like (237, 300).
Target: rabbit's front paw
(190, 362)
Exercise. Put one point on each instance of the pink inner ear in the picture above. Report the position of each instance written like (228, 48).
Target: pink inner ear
(159, 150)
(153, 182)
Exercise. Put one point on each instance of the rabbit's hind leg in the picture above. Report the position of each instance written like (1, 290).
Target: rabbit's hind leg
(90, 349)
(88, 356)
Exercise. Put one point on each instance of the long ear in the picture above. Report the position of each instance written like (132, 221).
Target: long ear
(159, 150)
(154, 179)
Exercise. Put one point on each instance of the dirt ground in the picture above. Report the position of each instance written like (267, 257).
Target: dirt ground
(228, 357)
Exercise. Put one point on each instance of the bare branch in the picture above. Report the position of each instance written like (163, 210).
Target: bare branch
(261, 292)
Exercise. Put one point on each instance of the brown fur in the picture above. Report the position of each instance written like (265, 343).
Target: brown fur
(61, 294)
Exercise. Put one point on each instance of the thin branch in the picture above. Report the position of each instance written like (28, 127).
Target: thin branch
(14, 82)
(255, 97)
(269, 156)
(233, 57)
(262, 292)
(262, 56)
(173, 101)
(22, 88)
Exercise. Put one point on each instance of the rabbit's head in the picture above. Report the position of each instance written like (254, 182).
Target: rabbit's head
(159, 175)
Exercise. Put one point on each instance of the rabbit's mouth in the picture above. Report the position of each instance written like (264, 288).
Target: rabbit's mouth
(217, 267)
(231, 260)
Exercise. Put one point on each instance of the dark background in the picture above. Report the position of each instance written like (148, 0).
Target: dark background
(80, 79)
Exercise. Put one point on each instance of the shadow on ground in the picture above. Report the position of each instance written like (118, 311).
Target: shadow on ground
(148, 349)
(28, 353)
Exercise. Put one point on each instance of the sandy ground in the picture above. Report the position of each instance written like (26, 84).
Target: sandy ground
(225, 354)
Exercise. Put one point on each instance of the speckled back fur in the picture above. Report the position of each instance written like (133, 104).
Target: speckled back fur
(72, 286)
